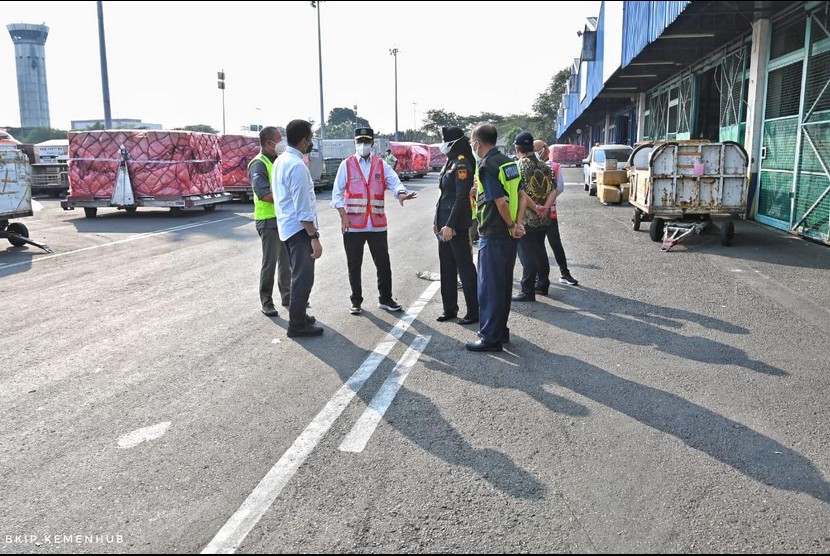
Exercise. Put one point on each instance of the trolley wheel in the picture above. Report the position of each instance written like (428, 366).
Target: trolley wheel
(131, 210)
(655, 229)
(90, 212)
(19, 229)
(593, 190)
(210, 208)
(727, 233)
(637, 219)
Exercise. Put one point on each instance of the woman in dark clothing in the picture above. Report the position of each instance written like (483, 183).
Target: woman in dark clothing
(453, 218)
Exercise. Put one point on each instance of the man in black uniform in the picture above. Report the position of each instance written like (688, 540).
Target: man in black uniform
(500, 215)
(452, 222)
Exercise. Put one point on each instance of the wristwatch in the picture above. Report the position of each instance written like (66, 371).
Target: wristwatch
(315, 236)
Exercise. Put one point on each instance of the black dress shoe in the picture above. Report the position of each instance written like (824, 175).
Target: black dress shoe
(444, 316)
(468, 320)
(310, 320)
(522, 296)
(479, 345)
(270, 311)
(307, 330)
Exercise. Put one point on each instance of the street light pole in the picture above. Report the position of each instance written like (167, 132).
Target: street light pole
(394, 52)
(316, 4)
(221, 84)
(105, 81)
(414, 117)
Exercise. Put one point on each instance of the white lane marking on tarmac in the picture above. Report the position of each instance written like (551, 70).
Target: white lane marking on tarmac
(362, 430)
(133, 439)
(120, 241)
(231, 535)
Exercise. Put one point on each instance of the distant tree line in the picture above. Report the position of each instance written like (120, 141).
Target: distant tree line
(342, 122)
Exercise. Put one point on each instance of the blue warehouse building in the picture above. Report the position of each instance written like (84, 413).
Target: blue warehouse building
(753, 72)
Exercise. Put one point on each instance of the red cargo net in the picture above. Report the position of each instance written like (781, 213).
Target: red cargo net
(237, 151)
(162, 164)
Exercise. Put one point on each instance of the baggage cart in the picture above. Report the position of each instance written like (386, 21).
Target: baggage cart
(678, 186)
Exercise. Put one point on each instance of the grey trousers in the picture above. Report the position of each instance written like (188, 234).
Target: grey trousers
(274, 259)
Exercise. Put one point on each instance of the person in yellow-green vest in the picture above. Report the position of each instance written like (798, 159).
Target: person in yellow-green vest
(500, 208)
(274, 254)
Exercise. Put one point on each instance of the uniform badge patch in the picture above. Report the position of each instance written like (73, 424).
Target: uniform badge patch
(462, 172)
(511, 171)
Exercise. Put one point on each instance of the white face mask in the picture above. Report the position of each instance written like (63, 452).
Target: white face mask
(539, 154)
(475, 152)
(362, 149)
(281, 146)
(445, 148)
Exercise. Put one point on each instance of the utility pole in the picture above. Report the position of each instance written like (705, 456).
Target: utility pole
(105, 81)
(394, 52)
(316, 5)
(221, 76)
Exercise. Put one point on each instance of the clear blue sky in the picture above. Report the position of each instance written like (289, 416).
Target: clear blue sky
(163, 58)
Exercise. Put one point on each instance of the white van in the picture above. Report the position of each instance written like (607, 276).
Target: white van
(596, 163)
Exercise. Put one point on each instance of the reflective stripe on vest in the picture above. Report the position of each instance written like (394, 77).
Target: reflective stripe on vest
(262, 209)
(360, 191)
(511, 189)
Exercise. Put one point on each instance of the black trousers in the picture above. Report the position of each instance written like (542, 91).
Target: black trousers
(274, 260)
(353, 242)
(456, 259)
(543, 281)
(534, 257)
(302, 277)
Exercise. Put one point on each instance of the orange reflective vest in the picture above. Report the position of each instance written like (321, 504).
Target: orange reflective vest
(362, 194)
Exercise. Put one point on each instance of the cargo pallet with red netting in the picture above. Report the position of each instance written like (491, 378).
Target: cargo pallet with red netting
(127, 169)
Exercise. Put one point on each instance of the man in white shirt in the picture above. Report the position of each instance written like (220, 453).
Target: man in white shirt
(297, 223)
(359, 196)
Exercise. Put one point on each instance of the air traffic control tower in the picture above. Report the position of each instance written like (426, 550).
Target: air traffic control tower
(30, 55)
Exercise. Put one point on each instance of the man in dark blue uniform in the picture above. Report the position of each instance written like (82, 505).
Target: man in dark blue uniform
(500, 213)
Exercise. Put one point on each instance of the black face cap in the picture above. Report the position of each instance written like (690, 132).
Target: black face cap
(364, 133)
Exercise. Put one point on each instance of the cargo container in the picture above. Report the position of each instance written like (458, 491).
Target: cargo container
(54, 150)
(236, 152)
(344, 148)
(437, 159)
(127, 169)
(15, 196)
(413, 159)
(567, 155)
(678, 186)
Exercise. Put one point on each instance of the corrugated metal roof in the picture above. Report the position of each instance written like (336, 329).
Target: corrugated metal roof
(643, 22)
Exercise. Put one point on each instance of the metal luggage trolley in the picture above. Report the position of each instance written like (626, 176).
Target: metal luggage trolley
(16, 198)
(678, 186)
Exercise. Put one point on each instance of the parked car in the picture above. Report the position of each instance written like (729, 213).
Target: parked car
(596, 163)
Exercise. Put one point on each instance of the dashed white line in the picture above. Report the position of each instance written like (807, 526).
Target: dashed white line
(231, 535)
(133, 439)
(359, 436)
